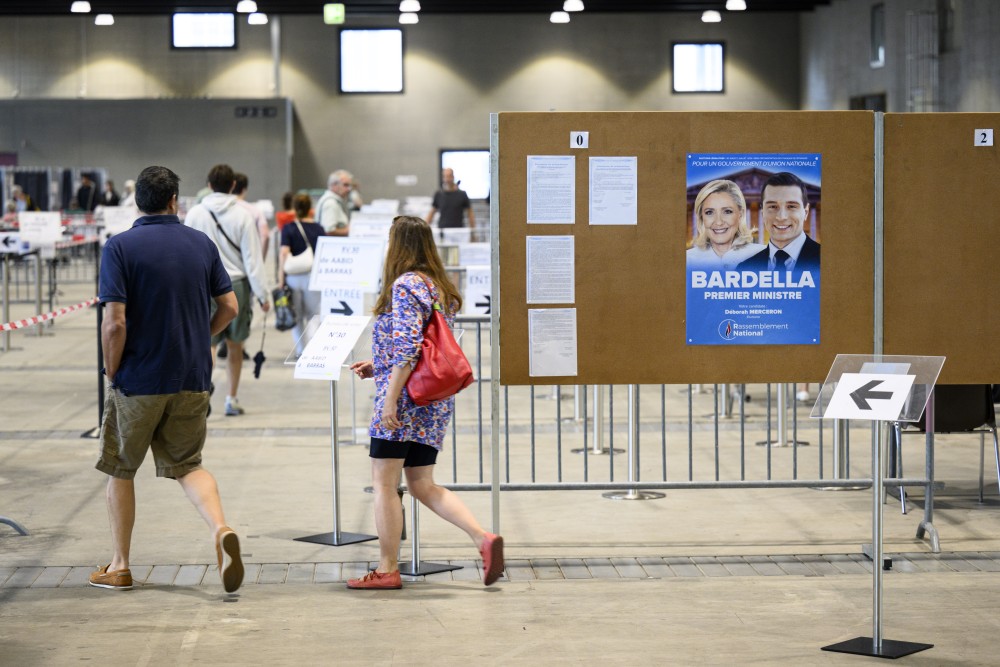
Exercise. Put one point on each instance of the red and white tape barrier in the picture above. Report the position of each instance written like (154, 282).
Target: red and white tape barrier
(38, 319)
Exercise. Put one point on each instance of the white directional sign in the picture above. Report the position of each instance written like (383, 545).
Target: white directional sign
(346, 261)
(10, 242)
(118, 219)
(343, 300)
(324, 356)
(478, 287)
(871, 396)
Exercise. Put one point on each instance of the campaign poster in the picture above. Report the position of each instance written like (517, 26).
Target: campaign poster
(753, 238)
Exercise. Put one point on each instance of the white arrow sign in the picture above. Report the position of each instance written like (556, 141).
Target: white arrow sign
(10, 242)
(871, 396)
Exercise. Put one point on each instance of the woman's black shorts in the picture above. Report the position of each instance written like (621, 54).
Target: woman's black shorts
(414, 454)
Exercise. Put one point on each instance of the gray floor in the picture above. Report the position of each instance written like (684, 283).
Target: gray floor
(715, 577)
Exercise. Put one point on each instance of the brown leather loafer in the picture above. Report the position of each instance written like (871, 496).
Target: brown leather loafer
(119, 580)
(227, 548)
(377, 580)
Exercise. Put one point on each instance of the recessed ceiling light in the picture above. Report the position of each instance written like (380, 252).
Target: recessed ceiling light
(736, 5)
(573, 6)
(257, 18)
(246, 7)
(409, 6)
(409, 18)
(104, 19)
(559, 17)
(711, 16)
(80, 7)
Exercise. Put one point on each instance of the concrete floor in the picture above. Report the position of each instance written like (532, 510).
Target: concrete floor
(713, 577)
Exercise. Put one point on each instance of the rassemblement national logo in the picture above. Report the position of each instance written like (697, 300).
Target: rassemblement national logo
(727, 329)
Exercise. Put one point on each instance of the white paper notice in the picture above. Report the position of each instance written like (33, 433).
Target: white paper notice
(552, 339)
(324, 356)
(551, 189)
(614, 191)
(551, 269)
(40, 227)
(341, 260)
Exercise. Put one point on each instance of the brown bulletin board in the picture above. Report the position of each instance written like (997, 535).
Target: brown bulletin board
(942, 234)
(630, 284)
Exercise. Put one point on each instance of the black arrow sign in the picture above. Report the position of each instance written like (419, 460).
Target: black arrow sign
(862, 395)
(346, 310)
(486, 304)
(8, 241)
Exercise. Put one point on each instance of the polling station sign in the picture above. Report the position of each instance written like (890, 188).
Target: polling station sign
(752, 267)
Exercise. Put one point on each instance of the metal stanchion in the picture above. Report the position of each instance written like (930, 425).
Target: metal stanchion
(633, 453)
(414, 567)
(841, 470)
(6, 299)
(598, 447)
(876, 646)
(337, 538)
(783, 439)
(38, 293)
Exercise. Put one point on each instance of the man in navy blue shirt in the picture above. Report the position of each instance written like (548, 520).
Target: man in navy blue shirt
(157, 282)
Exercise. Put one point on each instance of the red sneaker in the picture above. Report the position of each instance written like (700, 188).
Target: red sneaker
(492, 553)
(378, 580)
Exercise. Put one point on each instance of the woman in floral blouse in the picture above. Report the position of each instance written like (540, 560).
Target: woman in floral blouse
(407, 437)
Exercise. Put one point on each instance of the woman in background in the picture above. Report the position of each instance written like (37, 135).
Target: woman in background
(294, 238)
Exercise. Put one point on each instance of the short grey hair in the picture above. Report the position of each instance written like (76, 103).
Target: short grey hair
(337, 175)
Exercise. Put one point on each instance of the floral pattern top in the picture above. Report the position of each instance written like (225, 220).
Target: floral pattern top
(396, 340)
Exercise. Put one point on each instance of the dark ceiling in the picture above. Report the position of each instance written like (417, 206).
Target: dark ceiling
(387, 7)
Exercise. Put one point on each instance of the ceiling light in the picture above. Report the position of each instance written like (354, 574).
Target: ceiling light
(333, 13)
(257, 19)
(736, 5)
(80, 7)
(711, 16)
(104, 19)
(559, 17)
(573, 6)
(246, 7)
(409, 6)
(409, 18)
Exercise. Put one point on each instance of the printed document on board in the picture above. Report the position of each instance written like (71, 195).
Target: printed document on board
(614, 191)
(551, 269)
(551, 189)
(552, 342)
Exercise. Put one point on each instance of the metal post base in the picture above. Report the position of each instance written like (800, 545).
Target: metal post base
(332, 540)
(597, 452)
(632, 494)
(424, 568)
(928, 527)
(775, 444)
(92, 433)
(838, 488)
(13, 524)
(866, 646)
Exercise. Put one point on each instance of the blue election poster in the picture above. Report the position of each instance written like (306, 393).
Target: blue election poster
(753, 239)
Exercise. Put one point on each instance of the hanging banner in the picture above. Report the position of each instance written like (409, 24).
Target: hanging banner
(753, 258)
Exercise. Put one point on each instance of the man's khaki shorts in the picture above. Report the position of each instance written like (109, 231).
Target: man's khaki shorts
(239, 329)
(171, 425)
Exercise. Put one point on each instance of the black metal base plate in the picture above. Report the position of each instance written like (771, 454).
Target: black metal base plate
(891, 649)
(424, 568)
(330, 539)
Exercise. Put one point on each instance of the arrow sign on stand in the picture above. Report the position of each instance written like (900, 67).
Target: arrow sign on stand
(484, 304)
(862, 395)
(346, 310)
(854, 390)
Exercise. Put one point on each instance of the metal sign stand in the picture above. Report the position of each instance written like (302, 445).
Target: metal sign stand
(876, 646)
(633, 453)
(415, 567)
(881, 389)
(337, 538)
